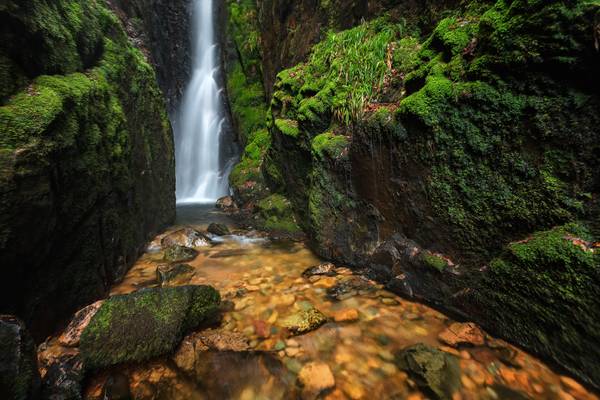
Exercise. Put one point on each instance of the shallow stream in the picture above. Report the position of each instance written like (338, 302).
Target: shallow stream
(261, 283)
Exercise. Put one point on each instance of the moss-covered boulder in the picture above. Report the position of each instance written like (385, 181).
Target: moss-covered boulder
(434, 371)
(145, 324)
(19, 376)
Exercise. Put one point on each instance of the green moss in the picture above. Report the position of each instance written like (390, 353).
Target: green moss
(328, 144)
(546, 286)
(434, 261)
(145, 324)
(287, 127)
(277, 214)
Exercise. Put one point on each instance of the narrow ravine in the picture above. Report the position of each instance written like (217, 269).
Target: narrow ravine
(288, 330)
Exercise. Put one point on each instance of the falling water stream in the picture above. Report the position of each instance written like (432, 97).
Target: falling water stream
(201, 118)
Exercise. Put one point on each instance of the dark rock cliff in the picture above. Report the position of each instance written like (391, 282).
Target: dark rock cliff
(86, 157)
(161, 29)
(451, 151)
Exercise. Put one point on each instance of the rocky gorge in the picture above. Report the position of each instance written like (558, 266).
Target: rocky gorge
(417, 195)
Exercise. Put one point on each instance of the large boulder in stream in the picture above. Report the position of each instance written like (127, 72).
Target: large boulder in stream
(19, 376)
(145, 324)
(434, 371)
(186, 237)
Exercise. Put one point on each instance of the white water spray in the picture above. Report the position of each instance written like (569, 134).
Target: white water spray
(199, 179)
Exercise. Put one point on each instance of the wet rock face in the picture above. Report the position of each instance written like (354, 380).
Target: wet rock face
(145, 324)
(433, 370)
(162, 29)
(81, 158)
(72, 334)
(19, 376)
(63, 376)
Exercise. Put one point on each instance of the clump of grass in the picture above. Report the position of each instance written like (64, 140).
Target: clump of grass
(356, 63)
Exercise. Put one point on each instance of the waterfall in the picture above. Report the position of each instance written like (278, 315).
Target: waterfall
(200, 118)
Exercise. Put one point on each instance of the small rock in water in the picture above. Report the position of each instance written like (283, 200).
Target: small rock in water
(218, 229)
(166, 273)
(186, 237)
(327, 269)
(180, 254)
(433, 370)
(304, 321)
(346, 315)
(348, 288)
(226, 203)
(262, 329)
(389, 302)
(315, 378)
(462, 334)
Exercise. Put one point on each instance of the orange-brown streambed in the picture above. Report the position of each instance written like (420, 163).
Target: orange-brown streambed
(262, 281)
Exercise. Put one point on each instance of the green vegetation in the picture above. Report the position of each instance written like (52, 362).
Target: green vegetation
(277, 214)
(345, 72)
(546, 287)
(434, 261)
(328, 144)
(287, 127)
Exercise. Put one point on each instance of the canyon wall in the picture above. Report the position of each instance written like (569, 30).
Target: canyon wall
(449, 151)
(86, 157)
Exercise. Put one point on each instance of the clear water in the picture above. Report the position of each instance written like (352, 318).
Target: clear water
(263, 279)
(200, 123)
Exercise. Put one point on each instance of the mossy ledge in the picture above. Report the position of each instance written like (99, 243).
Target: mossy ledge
(85, 143)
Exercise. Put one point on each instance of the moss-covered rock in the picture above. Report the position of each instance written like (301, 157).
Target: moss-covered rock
(434, 371)
(145, 324)
(179, 254)
(304, 321)
(276, 214)
(168, 274)
(19, 376)
(85, 143)
(218, 229)
(546, 286)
